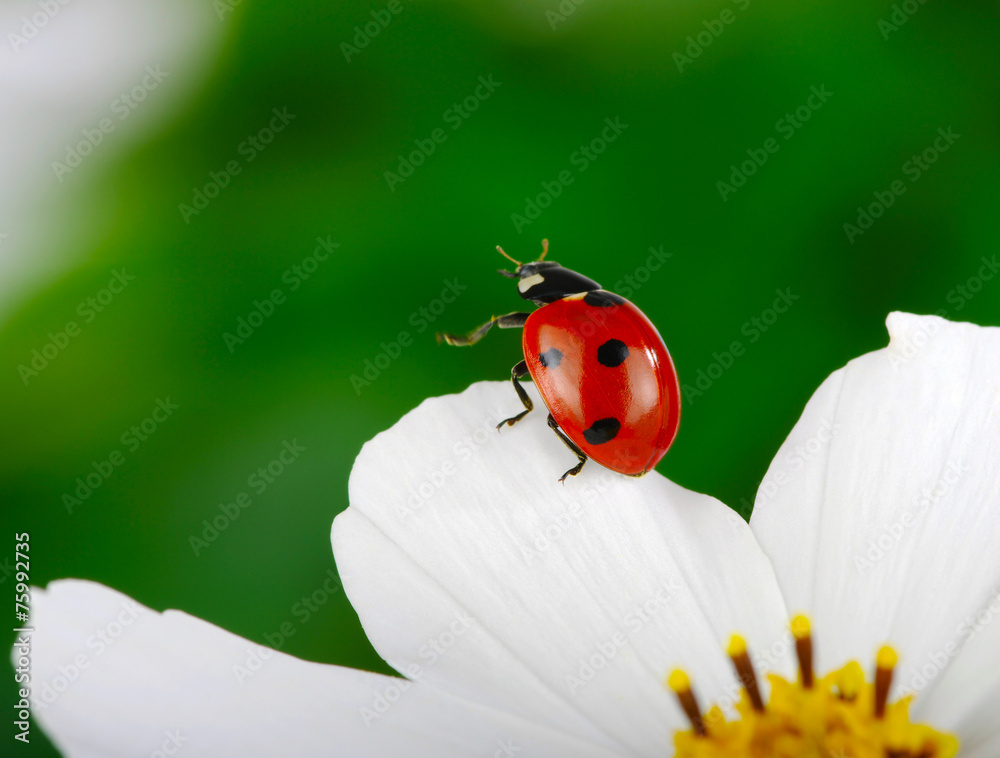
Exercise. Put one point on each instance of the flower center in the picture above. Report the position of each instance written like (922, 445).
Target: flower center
(837, 716)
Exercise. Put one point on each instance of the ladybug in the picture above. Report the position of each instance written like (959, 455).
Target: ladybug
(600, 366)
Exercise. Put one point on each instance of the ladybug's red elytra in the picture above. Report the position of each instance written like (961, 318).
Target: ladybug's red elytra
(600, 366)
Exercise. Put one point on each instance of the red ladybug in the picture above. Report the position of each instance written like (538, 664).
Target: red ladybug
(599, 364)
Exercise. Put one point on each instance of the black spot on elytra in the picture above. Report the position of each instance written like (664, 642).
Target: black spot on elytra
(612, 353)
(551, 358)
(602, 299)
(601, 431)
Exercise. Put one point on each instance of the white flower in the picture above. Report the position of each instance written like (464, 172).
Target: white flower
(542, 619)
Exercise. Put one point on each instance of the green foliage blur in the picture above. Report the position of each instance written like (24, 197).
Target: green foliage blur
(695, 113)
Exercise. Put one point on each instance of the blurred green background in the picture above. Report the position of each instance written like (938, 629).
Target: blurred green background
(561, 71)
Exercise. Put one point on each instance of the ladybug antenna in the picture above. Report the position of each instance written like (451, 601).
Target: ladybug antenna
(500, 250)
(545, 249)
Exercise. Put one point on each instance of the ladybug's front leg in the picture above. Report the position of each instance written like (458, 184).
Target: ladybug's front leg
(581, 456)
(521, 369)
(507, 321)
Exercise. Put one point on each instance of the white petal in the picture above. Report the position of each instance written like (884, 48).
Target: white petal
(881, 512)
(111, 678)
(472, 568)
(967, 699)
(987, 749)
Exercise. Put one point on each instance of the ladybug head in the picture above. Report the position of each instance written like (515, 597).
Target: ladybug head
(546, 281)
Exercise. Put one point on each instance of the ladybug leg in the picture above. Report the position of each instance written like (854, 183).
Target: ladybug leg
(521, 369)
(581, 456)
(507, 321)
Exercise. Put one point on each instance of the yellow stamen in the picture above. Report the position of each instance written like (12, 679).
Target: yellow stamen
(737, 646)
(887, 658)
(680, 683)
(744, 670)
(840, 715)
(850, 681)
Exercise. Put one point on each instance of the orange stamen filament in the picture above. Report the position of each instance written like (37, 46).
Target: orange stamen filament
(885, 663)
(803, 649)
(745, 672)
(679, 682)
